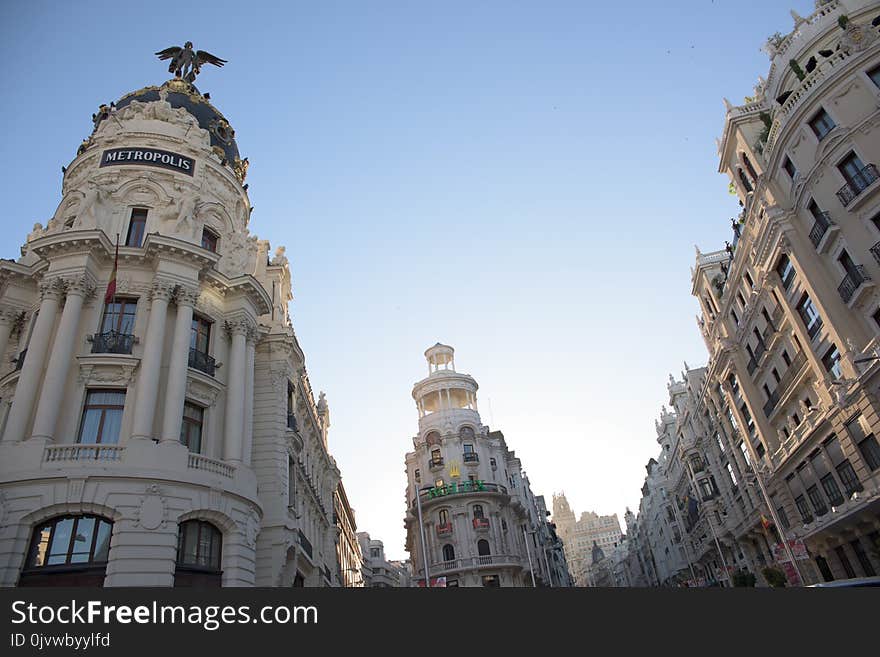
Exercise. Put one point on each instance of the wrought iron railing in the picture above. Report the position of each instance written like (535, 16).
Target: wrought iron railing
(851, 282)
(460, 488)
(820, 226)
(305, 543)
(112, 342)
(202, 362)
(436, 462)
(857, 184)
(444, 529)
(481, 523)
(470, 457)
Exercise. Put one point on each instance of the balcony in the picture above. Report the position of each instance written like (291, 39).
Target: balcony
(19, 362)
(820, 228)
(291, 422)
(112, 342)
(460, 488)
(470, 457)
(444, 529)
(207, 464)
(436, 462)
(202, 362)
(859, 183)
(481, 524)
(468, 563)
(851, 282)
(66, 453)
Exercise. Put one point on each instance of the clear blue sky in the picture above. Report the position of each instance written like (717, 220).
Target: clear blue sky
(522, 180)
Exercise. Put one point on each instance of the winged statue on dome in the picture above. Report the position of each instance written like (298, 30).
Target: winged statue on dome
(186, 62)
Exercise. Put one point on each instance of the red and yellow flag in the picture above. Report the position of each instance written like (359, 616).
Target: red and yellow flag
(765, 523)
(111, 286)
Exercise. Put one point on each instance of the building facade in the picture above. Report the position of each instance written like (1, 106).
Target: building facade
(378, 572)
(158, 423)
(774, 442)
(349, 558)
(467, 494)
(580, 536)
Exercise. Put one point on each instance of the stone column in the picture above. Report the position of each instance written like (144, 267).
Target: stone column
(175, 388)
(63, 352)
(250, 357)
(32, 370)
(151, 361)
(235, 387)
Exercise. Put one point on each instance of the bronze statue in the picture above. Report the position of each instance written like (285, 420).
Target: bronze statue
(186, 63)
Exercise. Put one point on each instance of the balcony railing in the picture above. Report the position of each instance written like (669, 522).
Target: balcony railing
(19, 362)
(481, 524)
(202, 362)
(859, 183)
(820, 226)
(851, 282)
(305, 543)
(471, 457)
(771, 402)
(207, 464)
(291, 422)
(60, 453)
(460, 488)
(436, 462)
(444, 529)
(112, 342)
(475, 562)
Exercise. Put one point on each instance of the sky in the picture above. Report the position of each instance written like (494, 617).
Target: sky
(524, 181)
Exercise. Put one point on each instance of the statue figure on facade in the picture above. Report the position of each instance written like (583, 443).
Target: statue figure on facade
(280, 257)
(36, 232)
(186, 62)
(185, 217)
(87, 214)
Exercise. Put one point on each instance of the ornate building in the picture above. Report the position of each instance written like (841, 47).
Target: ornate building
(776, 438)
(468, 495)
(581, 537)
(349, 557)
(158, 424)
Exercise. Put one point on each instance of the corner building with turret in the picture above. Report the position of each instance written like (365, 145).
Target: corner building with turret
(468, 495)
(165, 433)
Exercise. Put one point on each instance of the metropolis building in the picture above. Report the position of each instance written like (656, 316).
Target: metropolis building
(165, 434)
(468, 496)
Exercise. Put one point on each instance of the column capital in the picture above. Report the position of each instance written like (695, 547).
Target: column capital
(240, 325)
(51, 288)
(162, 289)
(10, 316)
(79, 286)
(186, 295)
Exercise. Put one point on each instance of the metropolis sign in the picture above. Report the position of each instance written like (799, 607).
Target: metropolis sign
(149, 156)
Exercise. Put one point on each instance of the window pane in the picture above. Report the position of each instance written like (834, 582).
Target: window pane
(112, 425)
(190, 542)
(41, 547)
(60, 542)
(82, 540)
(88, 433)
(102, 545)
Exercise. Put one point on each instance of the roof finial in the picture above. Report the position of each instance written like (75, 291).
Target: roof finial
(186, 63)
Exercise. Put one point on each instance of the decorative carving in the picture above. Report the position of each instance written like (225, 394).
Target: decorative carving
(186, 62)
(201, 393)
(92, 208)
(280, 258)
(80, 285)
(185, 216)
(162, 290)
(186, 295)
(239, 325)
(240, 167)
(120, 374)
(51, 288)
(152, 512)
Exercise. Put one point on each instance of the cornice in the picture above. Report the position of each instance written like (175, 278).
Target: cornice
(245, 285)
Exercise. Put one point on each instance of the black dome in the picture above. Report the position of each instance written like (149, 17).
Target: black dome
(185, 95)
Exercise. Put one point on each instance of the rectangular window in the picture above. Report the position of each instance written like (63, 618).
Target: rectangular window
(200, 337)
(831, 361)
(786, 358)
(789, 167)
(876, 317)
(785, 270)
(832, 490)
(783, 517)
(817, 500)
(874, 74)
(732, 475)
(870, 451)
(862, 556)
(821, 124)
(102, 417)
(851, 169)
(191, 427)
(844, 561)
(809, 315)
(209, 240)
(119, 316)
(848, 477)
(803, 509)
(136, 227)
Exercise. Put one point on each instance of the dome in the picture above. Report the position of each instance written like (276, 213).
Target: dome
(179, 93)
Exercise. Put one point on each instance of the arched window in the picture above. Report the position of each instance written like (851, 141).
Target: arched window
(466, 433)
(478, 510)
(448, 552)
(443, 516)
(749, 167)
(483, 548)
(68, 551)
(199, 545)
(432, 438)
(747, 185)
